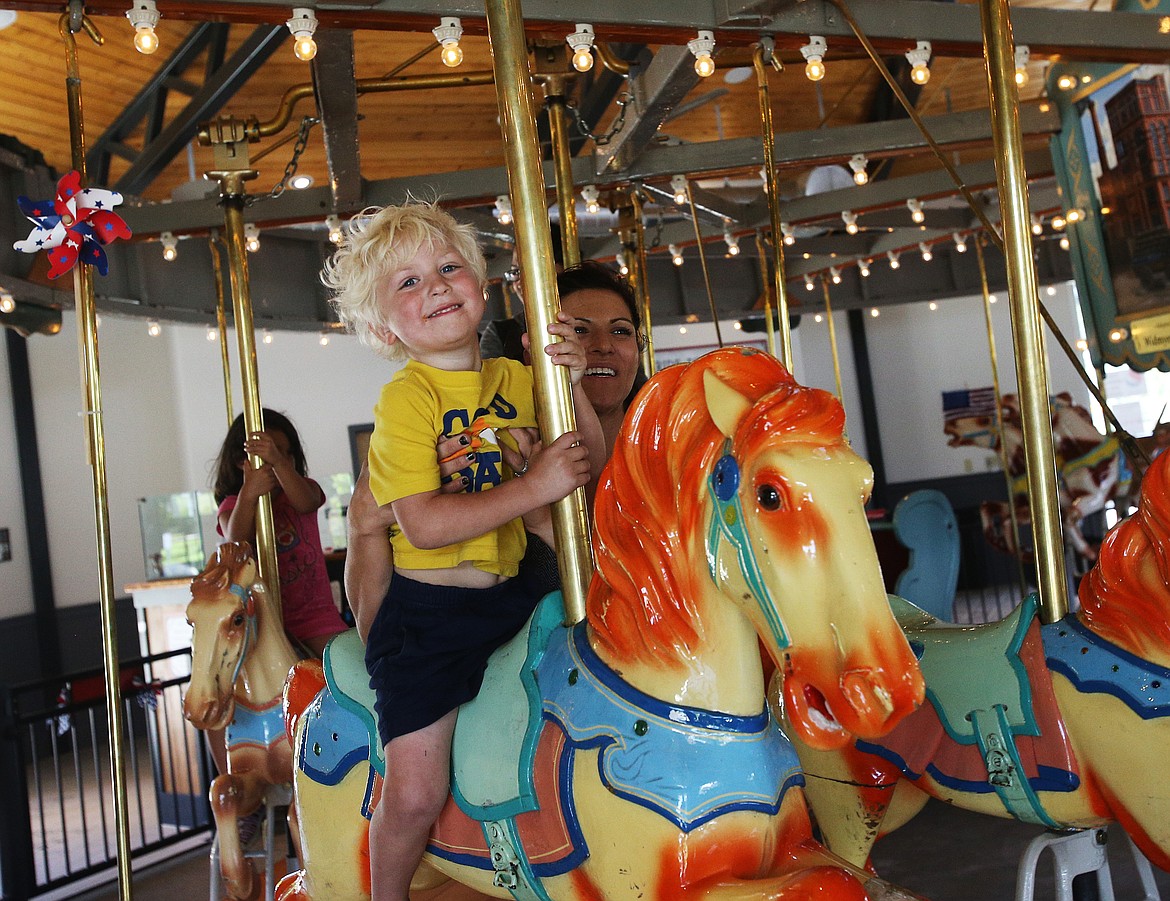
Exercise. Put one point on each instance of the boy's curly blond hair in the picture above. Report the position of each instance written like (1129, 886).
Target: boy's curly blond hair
(380, 240)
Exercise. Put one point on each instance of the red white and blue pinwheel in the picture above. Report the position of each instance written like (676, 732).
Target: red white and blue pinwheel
(73, 225)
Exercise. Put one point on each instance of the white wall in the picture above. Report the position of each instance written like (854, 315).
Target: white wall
(15, 576)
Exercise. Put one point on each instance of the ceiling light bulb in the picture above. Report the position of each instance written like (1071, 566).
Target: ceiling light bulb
(732, 244)
(324, 339)
(7, 302)
(301, 181)
(892, 256)
(1023, 54)
(927, 256)
(960, 243)
(144, 16)
(818, 318)
(581, 43)
(850, 219)
(302, 25)
(1066, 82)
(1058, 222)
(251, 237)
(863, 268)
(809, 284)
(933, 306)
(875, 312)
(1064, 245)
(212, 334)
(267, 339)
(991, 298)
(591, 196)
(814, 54)
(170, 246)
(1037, 225)
(620, 259)
(504, 209)
(447, 33)
(1118, 335)
(835, 275)
(702, 46)
(678, 185)
(857, 163)
(787, 234)
(676, 254)
(333, 224)
(919, 59)
(153, 328)
(1074, 215)
(915, 207)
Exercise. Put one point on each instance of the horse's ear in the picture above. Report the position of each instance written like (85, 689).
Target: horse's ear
(725, 405)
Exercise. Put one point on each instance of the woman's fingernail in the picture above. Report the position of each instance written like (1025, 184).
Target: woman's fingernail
(471, 455)
(464, 440)
(463, 479)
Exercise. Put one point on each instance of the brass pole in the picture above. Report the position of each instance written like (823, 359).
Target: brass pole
(833, 339)
(781, 278)
(71, 21)
(526, 183)
(1003, 458)
(703, 262)
(762, 253)
(506, 291)
(1031, 365)
(558, 127)
(232, 197)
(221, 324)
(643, 289)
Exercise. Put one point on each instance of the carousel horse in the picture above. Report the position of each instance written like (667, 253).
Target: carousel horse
(240, 658)
(1089, 465)
(633, 755)
(1066, 725)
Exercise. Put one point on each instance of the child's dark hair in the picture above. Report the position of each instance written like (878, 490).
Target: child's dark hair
(229, 476)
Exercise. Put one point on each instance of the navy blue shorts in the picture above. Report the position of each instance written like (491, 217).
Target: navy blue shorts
(429, 644)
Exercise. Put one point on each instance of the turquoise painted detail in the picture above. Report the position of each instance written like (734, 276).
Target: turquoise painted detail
(262, 727)
(494, 746)
(651, 751)
(344, 662)
(1005, 772)
(925, 524)
(728, 521)
(513, 871)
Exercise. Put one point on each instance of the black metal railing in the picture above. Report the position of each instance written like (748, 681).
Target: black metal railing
(57, 820)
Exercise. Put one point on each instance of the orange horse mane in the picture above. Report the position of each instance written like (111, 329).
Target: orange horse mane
(1125, 598)
(653, 504)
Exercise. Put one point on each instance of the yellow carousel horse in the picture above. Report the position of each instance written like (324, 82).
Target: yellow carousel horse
(1065, 725)
(633, 755)
(240, 658)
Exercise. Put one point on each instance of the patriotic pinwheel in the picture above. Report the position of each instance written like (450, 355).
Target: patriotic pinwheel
(76, 223)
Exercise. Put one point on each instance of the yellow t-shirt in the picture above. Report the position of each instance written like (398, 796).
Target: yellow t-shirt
(422, 403)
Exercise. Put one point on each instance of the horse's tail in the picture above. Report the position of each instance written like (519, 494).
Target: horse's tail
(305, 681)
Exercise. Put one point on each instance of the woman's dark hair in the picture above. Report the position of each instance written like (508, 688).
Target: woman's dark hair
(229, 476)
(591, 275)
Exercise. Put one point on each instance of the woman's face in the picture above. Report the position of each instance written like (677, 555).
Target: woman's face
(607, 333)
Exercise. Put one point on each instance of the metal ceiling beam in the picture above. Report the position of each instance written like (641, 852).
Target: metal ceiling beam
(335, 86)
(214, 93)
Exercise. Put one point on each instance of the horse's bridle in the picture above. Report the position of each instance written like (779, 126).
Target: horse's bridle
(727, 520)
(249, 604)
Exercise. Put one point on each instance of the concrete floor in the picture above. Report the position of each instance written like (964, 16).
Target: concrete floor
(944, 855)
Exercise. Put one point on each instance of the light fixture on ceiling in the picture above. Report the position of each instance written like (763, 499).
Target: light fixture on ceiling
(875, 312)
(814, 57)
(835, 275)
(212, 333)
(1066, 82)
(702, 46)
(1059, 222)
(7, 301)
(267, 337)
(857, 163)
(301, 181)
(919, 59)
(333, 226)
(892, 256)
(678, 186)
(863, 268)
(302, 25)
(1037, 225)
(1064, 243)
(324, 339)
(447, 33)
(153, 328)
(960, 242)
(732, 243)
(787, 235)
(914, 205)
(924, 249)
(676, 254)
(933, 306)
(581, 43)
(1023, 54)
(1074, 215)
(251, 237)
(170, 246)
(818, 318)
(850, 219)
(1118, 334)
(591, 196)
(809, 284)
(144, 16)
(503, 209)
(623, 267)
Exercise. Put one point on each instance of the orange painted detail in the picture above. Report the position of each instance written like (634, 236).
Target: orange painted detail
(305, 681)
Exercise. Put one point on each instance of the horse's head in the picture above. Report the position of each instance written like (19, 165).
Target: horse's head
(769, 514)
(222, 616)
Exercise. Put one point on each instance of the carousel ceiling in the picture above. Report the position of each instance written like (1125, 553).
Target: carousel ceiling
(379, 115)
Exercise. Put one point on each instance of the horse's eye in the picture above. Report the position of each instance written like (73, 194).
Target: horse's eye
(768, 497)
(238, 619)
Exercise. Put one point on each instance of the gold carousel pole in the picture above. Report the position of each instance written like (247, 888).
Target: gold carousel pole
(221, 325)
(781, 280)
(72, 21)
(558, 127)
(703, 262)
(1031, 366)
(229, 142)
(525, 179)
(833, 338)
(1003, 459)
(762, 254)
(641, 284)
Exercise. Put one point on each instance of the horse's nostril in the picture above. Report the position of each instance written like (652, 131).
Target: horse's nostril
(867, 693)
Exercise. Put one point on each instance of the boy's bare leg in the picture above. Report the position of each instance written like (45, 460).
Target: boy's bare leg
(417, 772)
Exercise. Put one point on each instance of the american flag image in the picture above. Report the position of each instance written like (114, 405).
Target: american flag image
(968, 402)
